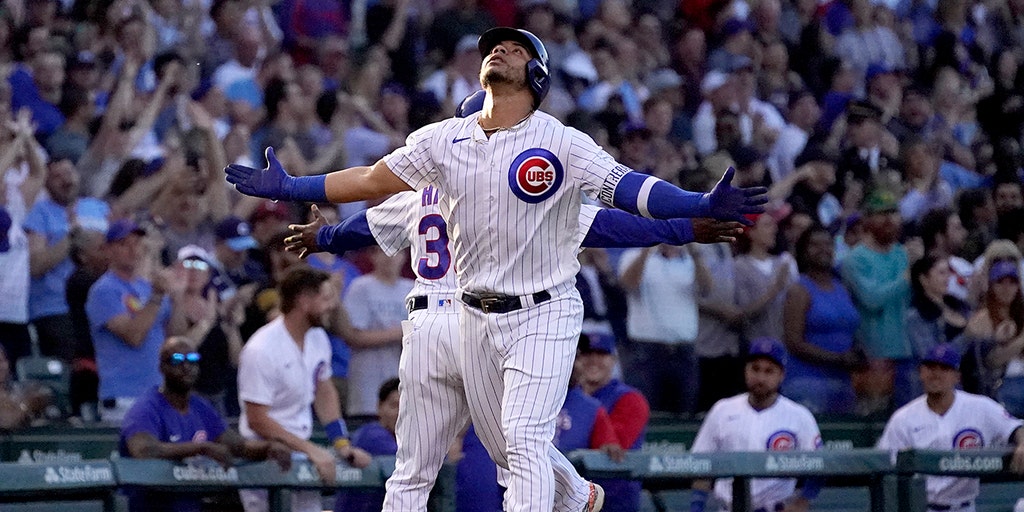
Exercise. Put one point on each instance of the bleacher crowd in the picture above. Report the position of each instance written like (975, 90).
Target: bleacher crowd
(890, 134)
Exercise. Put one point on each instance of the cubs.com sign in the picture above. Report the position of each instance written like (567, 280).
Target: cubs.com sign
(535, 175)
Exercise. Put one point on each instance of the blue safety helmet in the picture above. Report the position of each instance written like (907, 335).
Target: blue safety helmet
(537, 75)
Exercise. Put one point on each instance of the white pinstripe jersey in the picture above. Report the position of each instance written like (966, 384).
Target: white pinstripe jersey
(413, 219)
(733, 425)
(972, 422)
(512, 201)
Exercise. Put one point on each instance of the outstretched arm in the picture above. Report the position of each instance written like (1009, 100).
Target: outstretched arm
(318, 236)
(646, 195)
(616, 228)
(344, 186)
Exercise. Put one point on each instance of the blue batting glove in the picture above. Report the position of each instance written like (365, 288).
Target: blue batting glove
(271, 182)
(726, 202)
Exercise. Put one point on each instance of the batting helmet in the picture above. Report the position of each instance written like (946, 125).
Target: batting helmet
(537, 75)
(471, 104)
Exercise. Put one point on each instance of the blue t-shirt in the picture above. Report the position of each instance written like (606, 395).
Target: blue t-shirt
(24, 93)
(476, 478)
(376, 440)
(124, 371)
(49, 219)
(153, 414)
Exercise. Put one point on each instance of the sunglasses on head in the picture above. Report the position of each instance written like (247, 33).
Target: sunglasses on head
(195, 264)
(178, 358)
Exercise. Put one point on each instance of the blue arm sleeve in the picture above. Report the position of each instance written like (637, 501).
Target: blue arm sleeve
(615, 228)
(352, 233)
(645, 195)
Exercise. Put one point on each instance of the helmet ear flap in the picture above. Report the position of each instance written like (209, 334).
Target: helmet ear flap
(538, 79)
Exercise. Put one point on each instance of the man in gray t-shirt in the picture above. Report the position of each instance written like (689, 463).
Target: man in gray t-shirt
(375, 301)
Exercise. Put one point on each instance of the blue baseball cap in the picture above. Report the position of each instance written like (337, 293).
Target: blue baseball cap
(770, 348)
(1001, 269)
(121, 229)
(595, 342)
(236, 233)
(946, 354)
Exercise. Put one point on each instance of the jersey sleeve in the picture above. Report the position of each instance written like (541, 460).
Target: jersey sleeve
(389, 221)
(596, 170)
(892, 436)
(617, 228)
(142, 418)
(810, 435)
(322, 345)
(1001, 423)
(255, 381)
(104, 303)
(603, 433)
(629, 416)
(413, 162)
(705, 442)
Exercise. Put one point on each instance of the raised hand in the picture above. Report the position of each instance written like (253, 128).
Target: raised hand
(726, 202)
(271, 182)
(713, 231)
(304, 241)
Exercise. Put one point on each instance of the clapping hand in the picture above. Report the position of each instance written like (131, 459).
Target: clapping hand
(304, 239)
(726, 202)
(712, 231)
(271, 182)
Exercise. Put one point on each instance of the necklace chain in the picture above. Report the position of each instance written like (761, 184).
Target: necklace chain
(514, 128)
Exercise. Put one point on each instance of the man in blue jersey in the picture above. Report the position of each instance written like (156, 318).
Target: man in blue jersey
(171, 422)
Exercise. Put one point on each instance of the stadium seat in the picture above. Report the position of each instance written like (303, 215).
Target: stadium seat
(50, 372)
(647, 502)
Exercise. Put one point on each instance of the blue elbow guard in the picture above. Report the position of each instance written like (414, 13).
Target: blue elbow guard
(336, 430)
(306, 188)
(698, 500)
(352, 233)
(651, 197)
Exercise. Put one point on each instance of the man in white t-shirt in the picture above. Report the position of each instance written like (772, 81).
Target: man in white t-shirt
(285, 368)
(759, 420)
(945, 418)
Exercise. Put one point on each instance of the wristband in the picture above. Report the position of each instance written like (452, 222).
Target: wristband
(306, 188)
(342, 442)
(336, 431)
(698, 499)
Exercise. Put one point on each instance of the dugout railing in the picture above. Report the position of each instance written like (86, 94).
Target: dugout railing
(892, 487)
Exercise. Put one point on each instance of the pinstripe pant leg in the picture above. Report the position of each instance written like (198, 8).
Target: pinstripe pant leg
(432, 408)
(538, 347)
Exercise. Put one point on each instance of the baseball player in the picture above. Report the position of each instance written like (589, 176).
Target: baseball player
(284, 375)
(759, 420)
(433, 409)
(945, 418)
(513, 178)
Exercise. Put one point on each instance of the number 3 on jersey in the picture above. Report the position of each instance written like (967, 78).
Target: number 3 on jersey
(435, 233)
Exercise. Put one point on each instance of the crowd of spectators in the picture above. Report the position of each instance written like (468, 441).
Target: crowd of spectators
(889, 133)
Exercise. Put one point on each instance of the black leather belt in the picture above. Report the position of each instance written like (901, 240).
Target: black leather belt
(943, 508)
(416, 303)
(501, 303)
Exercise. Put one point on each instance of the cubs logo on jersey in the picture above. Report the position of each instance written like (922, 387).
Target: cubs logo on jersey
(535, 175)
(968, 438)
(781, 441)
